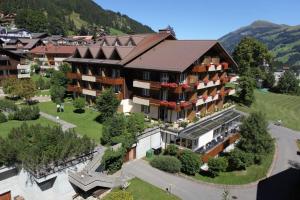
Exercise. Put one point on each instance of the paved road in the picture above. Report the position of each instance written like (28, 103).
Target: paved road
(191, 190)
(65, 125)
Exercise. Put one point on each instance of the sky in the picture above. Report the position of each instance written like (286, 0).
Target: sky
(209, 19)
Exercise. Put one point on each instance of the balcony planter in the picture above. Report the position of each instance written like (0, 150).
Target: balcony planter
(173, 85)
(224, 65)
(172, 104)
(185, 86)
(163, 103)
(184, 104)
(164, 84)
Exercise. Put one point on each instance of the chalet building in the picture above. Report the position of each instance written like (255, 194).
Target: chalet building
(22, 45)
(51, 56)
(7, 35)
(13, 65)
(167, 79)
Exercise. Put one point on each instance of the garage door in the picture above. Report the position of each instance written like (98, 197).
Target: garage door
(142, 147)
(5, 196)
(155, 140)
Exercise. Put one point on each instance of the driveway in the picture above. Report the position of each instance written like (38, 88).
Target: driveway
(192, 190)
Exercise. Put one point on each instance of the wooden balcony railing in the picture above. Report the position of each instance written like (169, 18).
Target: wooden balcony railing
(8, 76)
(199, 68)
(110, 80)
(154, 85)
(72, 75)
(8, 67)
(74, 88)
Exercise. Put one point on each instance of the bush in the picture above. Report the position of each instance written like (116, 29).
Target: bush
(8, 106)
(217, 165)
(166, 163)
(119, 195)
(190, 162)
(239, 160)
(79, 104)
(27, 113)
(112, 160)
(171, 150)
(42, 84)
(2, 118)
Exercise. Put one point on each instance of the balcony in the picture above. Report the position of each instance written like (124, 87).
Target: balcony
(24, 67)
(147, 84)
(225, 65)
(23, 75)
(110, 80)
(88, 78)
(199, 69)
(211, 68)
(72, 75)
(74, 88)
(232, 78)
(89, 92)
(7, 67)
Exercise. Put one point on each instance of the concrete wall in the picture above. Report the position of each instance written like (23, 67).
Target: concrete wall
(205, 138)
(146, 143)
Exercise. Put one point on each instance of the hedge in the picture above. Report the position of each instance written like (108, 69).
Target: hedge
(217, 165)
(8, 106)
(166, 163)
(3, 118)
(27, 113)
(171, 150)
(190, 162)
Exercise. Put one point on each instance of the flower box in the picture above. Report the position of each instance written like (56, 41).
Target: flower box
(173, 85)
(224, 65)
(172, 104)
(185, 86)
(164, 84)
(163, 103)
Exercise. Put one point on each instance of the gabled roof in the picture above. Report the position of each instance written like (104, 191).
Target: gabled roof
(110, 40)
(54, 49)
(124, 51)
(176, 55)
(107, 50)
(82, 51)
(94, 51)
(124, 39)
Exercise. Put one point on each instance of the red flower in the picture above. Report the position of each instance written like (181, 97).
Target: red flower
(173, 85)
(185, 86)
(163, 103)
(224, 65)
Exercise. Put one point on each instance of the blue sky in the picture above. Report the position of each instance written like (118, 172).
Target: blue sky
(209, 19)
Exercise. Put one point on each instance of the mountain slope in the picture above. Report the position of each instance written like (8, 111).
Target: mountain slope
(282, 40)
(77, 13)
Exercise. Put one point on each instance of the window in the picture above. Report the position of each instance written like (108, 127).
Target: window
(182, 96)
(182, 78)
(116, 88)
(146, 92)
(164, 77)
(145, 109)
(181, 114)
(146, 76)
(115, 73)
(164, 95)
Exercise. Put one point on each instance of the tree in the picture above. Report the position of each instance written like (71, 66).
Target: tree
(135, 124)
(107, 104)
(83, 30)
(250, 54)
(190, 162)
(58, 78)
(10, 86)
(112, 160)
(239, 160)
(288, 83)
(217, 165)
(79, 104)
(269, 80)
(255, 138)
(166, 163)
(26, 89)
(57, 93)
(65, 68)
(33, 20)
(246, 90)
(171, 150)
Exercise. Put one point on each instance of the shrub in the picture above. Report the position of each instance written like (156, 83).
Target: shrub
(112, 160)
(217, 165)
(8, 106)
(119, 195)
(2, 118)
(190, 162)
(27, 113)
(79, 104)
(166, 163)
(171, 150)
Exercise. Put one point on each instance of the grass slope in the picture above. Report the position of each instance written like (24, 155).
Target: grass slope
(277, 106)
(144, 191)
(251, 174)
(7, 126)
(85, 122)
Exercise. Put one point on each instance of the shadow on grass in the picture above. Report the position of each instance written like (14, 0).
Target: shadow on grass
(79, 111)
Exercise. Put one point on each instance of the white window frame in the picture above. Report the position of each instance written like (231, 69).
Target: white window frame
(145, 109)
(164, 77)
(146, 75)
(182, 78)
(145, 92)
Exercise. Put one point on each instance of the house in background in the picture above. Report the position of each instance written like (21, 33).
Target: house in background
(13, 65)
(51, 56)
(22, 46)
(8, 35)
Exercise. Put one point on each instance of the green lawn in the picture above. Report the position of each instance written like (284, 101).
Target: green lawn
(145, 191)
(277, 106)
(43, 92)
(251, 174)
(85, 122)
(7, 126)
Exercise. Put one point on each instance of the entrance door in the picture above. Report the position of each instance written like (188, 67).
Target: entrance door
(5, 196)
(163, 113)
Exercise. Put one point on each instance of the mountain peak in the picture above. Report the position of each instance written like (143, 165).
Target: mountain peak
(263, 23)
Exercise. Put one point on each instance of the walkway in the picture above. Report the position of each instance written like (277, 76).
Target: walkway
(192, 190)
(65, 125)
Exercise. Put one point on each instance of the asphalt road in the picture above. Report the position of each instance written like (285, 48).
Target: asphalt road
(280, 185)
